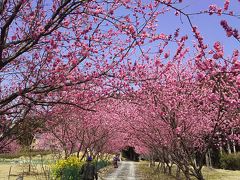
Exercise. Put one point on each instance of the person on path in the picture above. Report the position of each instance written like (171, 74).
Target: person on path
(88, 170)
(115, 161)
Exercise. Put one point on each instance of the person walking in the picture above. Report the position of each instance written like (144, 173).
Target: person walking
(115, 161)
(88, 170)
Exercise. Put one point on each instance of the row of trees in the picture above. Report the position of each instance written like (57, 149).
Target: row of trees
(81, 132)
(182, 117)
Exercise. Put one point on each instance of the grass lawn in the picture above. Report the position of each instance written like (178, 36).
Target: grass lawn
(220, 174)
(20, 165)
(208, 173)
(17, 169)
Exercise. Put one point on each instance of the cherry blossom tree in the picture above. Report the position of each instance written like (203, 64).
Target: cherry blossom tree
(50, 49)
(185, 110)
(75, 131)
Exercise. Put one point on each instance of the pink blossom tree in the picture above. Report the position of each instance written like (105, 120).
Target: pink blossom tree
(181, 111)
(75, 131)
(50, 49)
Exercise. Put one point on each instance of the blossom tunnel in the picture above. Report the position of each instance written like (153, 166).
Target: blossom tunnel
(130, 154)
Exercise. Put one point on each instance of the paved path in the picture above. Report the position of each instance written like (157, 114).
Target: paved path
(125, 171)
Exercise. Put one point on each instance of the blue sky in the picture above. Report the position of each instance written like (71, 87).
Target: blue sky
(209, 26)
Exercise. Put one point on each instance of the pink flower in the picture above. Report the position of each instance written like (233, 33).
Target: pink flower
(226, 5)
(238, 81)
(166, 55)
(14, 38)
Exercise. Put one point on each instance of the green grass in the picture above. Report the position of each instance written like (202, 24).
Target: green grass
(150, 174)
(19, 164)
(208, 173)
(23, 153)
(220, 174)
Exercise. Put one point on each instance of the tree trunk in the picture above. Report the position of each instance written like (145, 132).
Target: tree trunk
(234, 145)
(164, 168)
(187, 174)
(30, 160)
(169, 170)
(151, 161)
(208, 159)
(84, 154)
(234, 148)
(199, 175)
(65, 153)
(158, 167)
(178, 173)
(229, 148)
(221, 150)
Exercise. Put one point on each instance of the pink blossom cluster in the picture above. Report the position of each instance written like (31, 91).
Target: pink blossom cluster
(215, 9)
(218, 50)
(229, 30)
(198, 36)
(226, 5)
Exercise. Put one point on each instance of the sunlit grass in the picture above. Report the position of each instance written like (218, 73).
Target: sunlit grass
(144, 171)
(208, 173)
(220, 174)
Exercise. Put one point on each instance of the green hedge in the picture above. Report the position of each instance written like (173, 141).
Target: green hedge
(230, 161)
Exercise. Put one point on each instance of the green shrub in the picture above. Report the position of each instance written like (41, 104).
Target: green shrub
(101, 164)
(230, 161)
(67, 169)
